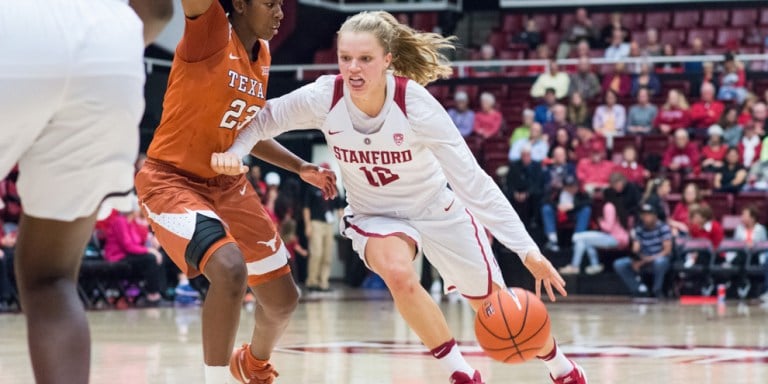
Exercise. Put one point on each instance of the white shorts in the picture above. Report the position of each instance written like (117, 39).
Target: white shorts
(452, 240)
(71, 98)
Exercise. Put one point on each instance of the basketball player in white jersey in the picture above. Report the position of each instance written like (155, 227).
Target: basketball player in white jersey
(71, 97)
(398, 149)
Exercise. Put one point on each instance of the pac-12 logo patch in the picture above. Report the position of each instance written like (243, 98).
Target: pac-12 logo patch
(399, 137)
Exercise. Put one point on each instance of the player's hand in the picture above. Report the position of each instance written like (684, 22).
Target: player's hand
(227, 163)
(322, 178)
(545, 274)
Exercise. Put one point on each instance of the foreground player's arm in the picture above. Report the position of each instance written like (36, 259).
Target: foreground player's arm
(274, 153)
(303, 108)
(155, 14)
(475, 188)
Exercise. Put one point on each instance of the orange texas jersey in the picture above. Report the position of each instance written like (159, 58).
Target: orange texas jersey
(214, 90)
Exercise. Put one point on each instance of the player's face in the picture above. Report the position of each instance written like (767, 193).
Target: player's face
(263, 17)
(363, 63)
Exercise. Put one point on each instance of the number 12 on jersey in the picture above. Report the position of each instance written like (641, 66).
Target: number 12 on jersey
(379, 176)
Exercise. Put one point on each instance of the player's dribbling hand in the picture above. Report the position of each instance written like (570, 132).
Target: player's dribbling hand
(322, 178)
(545, 274)
(227, 163)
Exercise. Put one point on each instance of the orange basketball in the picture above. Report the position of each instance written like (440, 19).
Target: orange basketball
(512, 326)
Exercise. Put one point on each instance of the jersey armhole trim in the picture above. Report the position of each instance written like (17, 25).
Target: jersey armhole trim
(338, 90)
(401, 84)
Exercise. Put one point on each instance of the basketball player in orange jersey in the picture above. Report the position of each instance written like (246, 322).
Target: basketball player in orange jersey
(216, 225)
(398, 150)
(70, 120)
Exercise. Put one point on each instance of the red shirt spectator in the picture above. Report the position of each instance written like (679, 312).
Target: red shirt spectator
(619, 81)
(674, 114)
(707, 111)
(683, 155)
(594, 172)
(585, 139)
(122, 239)
(487, 120)
(634, 172)
(704, 226)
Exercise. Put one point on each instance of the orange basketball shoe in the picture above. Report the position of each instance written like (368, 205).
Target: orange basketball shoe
(250, 370)
(576, 376)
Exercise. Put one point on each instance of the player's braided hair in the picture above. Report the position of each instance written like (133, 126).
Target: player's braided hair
(228, 7)
(415, 55)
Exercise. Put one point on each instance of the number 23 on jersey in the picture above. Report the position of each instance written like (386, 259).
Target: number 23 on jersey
(238, 108)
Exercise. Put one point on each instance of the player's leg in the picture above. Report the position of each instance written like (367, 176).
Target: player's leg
(458, 249)
(315, 255)
(268, 275)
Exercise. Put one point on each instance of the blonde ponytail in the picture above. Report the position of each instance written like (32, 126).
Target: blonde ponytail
(415, 55)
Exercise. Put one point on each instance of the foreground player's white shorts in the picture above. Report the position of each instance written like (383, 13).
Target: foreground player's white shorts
(71, 97)
(448, 234)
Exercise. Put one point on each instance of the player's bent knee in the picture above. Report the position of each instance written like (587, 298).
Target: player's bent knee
(227, 271)
(398, 277)
(207, 232)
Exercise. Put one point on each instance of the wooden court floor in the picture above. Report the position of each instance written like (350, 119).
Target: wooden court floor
(345, 338)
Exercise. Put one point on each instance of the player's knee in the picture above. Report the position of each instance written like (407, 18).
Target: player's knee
(207, 232)
(284, 308)
(398, 277)
(227, 271)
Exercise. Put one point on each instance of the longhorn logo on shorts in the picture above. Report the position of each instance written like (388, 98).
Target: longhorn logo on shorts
(399, 137)
(272, 244)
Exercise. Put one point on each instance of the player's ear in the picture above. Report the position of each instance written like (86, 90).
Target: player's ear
(239, 5)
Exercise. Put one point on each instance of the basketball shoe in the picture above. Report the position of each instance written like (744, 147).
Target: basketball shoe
(250, 370)
(459, 377)
(576, 376)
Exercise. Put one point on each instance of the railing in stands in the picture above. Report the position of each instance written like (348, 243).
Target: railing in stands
(583, 3)
(462, 66)
(399, 6)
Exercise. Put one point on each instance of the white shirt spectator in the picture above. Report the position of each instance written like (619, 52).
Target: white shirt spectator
(620, 51)
(539, 149)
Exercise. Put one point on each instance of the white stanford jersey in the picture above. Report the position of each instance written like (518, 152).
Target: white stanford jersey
(397, 164)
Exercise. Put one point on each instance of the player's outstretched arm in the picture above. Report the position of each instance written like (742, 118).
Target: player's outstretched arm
(274, 153)
(155, 14)
(195, 8)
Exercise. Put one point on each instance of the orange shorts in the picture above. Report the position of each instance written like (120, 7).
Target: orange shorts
(172, 201)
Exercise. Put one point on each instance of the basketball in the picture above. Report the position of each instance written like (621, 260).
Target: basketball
(512, 326)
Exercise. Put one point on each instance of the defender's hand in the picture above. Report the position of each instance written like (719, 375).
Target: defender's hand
(545, 274)
(227, 163)
(322, 178)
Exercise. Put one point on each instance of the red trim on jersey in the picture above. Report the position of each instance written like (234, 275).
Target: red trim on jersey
(401, 83)
(381, 236)
(338, 90)
(485, 258)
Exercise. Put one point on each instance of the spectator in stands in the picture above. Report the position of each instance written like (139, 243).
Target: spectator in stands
(126, 243)
(732, 130)
(586, 139)
(488, 53)
(646, 79)
(542, 53)
(272, 179)
(746, 110)
(732, 176)
(705, 226)
(618, 48)
(707, 111)
(628, 166)
(291, 240)
(733, 82)
(582, 49)
(652, 249)
(610, 119)
(554, 79)
(563, 139)
(584, 81)
(752, 232)
(536, 143)
(578, 112)
(674, 114)
(619, 81)
(634, 53)
(582, 29)
(611, 234)
(254, 177)
(757, 179)
(10, 202)
(754, 37)
(697, 49)
(594, 171)
(615, 23)
(568, 204)
(530, 36)
(750, 146)
(488, 119)
(543, 112)
(559, 120)
(624, 196)
(679, 220)
(683, 156)
(669, 51)
(320, 216)
(524, 130)
(462, 116)
(641, 115)
(708, 73)
(652, 45)
(758, 117)
(556, 171)
(713, 154)
(656, 193)
(525, 183)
